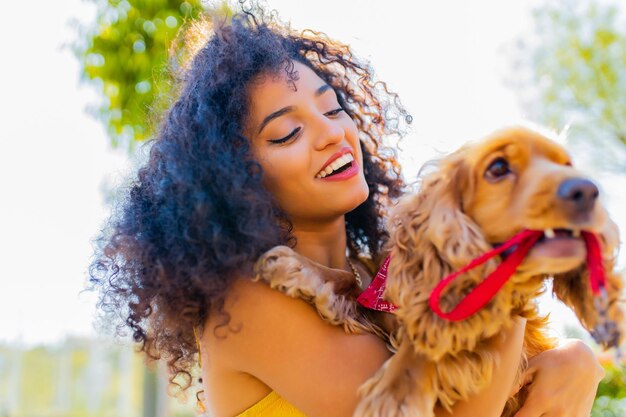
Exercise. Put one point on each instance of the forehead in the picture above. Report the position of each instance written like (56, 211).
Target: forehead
(272, 91)
(517, 143)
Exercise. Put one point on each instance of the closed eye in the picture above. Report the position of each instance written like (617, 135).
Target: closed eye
(334, 112)
(286, 138)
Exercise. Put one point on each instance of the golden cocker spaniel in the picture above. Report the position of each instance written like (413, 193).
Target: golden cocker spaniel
(474, 200)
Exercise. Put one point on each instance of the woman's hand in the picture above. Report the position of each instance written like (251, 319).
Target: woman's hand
(562, 382)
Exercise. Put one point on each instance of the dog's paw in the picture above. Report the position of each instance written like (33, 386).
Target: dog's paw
(276, 263)
(285, 270)
(270, 258)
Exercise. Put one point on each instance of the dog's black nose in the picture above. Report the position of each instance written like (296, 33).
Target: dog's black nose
(578, 194)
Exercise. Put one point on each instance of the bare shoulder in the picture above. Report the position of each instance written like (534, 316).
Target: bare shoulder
(282, 342)
(263, 320)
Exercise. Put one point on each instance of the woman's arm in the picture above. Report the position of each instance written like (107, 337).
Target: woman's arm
(562, 382)
(318, 367)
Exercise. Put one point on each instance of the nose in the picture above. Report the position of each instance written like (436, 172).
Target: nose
(328, 132)
(578, 195)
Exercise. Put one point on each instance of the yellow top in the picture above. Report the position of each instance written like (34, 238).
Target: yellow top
(272, 405)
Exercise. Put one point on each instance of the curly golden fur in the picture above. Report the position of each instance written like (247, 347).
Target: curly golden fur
(478, 197)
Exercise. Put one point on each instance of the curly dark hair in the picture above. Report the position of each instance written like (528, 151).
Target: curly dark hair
(166, 258)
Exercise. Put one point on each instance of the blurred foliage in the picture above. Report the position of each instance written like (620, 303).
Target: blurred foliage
(77, 378)
(611, 396)
(125, 54)
(572, 74)
(614, 383)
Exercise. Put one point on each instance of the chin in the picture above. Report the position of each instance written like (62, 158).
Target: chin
(361, 196)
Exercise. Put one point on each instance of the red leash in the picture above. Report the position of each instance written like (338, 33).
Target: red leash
(487, 289)
(594, 262)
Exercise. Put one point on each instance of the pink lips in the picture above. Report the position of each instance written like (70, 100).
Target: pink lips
(343, 151)
(348, 173)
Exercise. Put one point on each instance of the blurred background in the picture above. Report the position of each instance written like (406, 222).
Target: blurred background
(82, 81)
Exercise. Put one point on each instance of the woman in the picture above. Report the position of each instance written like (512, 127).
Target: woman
(240, 165)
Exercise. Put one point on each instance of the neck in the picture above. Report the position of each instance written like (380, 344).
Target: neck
(324, 243)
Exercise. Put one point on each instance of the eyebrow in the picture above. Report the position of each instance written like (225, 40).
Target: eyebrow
(288, 109)
(322, 90)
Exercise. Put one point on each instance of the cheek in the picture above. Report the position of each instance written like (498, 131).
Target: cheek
(276, 178)
(283, 173)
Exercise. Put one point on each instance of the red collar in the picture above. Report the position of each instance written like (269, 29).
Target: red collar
(372, 297)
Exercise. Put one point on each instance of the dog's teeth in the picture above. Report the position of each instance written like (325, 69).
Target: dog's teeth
(576, 232)
(549, 233)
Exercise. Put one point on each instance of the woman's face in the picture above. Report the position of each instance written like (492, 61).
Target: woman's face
(307, 145)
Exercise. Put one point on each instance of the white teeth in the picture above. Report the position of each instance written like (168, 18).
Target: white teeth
(549, 233)
(576, 232)
(336, 164)
(339, 162)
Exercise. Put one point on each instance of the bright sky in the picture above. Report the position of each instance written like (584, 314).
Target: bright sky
(443, 58)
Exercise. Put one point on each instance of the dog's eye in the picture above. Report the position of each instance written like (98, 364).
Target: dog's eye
(498, 168)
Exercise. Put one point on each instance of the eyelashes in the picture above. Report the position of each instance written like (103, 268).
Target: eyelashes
(289, 136)
(297, 130)
(334, 112)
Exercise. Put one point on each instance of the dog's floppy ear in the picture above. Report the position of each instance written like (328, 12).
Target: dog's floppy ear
(603, 318)
(430, 238)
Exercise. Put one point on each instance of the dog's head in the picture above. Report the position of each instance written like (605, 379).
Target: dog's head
(519, 179)
(480, 197)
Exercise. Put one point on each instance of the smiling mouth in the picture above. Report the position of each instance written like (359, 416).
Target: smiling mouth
(339, 165)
